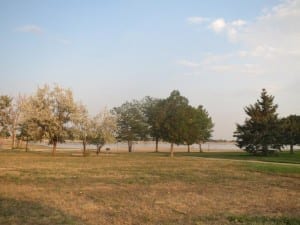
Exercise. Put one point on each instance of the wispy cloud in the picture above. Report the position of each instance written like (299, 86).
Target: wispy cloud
(219, 25)
(238, 23)
(269, 44)
(30, 28)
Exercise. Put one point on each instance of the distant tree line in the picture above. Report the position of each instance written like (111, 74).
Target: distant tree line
(263, 132)
(51, 113)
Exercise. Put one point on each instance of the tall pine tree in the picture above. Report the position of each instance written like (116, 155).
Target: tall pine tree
(260, 131)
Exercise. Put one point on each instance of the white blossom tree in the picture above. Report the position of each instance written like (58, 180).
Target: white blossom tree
(102, 129)
(53, 110)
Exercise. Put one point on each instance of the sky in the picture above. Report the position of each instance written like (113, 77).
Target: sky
(217, 53)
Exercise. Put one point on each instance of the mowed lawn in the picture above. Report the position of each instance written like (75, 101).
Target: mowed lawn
(145, 188)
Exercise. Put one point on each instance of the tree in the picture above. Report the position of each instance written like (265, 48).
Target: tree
(5, 120)
(15, 112)
(290, 127)
(53, 110)
(154, 109)
(205, 126)
(175, 121)
(81, 125)
(27, 126)
(29, 131)
(131, 123)
(260, 130)
(192, 126)
(102, 130)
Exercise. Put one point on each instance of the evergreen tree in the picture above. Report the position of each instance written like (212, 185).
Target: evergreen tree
(260, 130)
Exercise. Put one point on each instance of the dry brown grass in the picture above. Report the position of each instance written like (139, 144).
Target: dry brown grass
(144, 189)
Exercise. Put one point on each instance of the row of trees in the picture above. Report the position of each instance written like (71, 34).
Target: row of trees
(52, 114)
(263, 131)
(172, 120)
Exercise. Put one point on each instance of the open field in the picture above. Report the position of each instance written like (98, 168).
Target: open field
(145, 188)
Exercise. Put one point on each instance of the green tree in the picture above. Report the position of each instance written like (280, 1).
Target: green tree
(192, 130)
(199, 126)
(175, 124)
(205, 126)
(290, 127)
(260, 130)
(155, 112)
(131, 123)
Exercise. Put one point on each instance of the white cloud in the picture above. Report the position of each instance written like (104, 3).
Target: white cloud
(231, 29)
(238, 23)
(30, 28)
(218, 25)
(269, 44)
(196, 20)
(245, 68)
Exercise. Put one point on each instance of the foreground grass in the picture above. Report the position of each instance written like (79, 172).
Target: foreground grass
(144, 188)
(282, 157)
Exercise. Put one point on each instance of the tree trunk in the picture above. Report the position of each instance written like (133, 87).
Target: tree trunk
(98, 149)
(129, 146)
(292, 149)
(54, 147)
(172, 150)
(200, 147)
(26, 146)
(84, 147)
(13, 138)
(189, 149)
(19, 143)
(265, 150)
(156, 144)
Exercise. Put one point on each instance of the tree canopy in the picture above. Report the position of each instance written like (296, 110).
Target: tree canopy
(290, 131)
(53, 110)
(5, 120)
(260, 130)
(52, 114)
(131, 123)
(154, 110)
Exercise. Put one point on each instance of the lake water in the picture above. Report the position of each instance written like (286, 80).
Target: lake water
(149, 146)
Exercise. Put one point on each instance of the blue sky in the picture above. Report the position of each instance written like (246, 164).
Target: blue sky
(219, 54)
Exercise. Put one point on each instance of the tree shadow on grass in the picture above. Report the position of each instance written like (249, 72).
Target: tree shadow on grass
(16, 212)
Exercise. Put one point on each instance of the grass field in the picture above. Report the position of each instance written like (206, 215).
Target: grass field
(145, 188)
(282, 157)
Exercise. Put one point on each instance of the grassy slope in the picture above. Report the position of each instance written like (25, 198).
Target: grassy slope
(145, 188)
